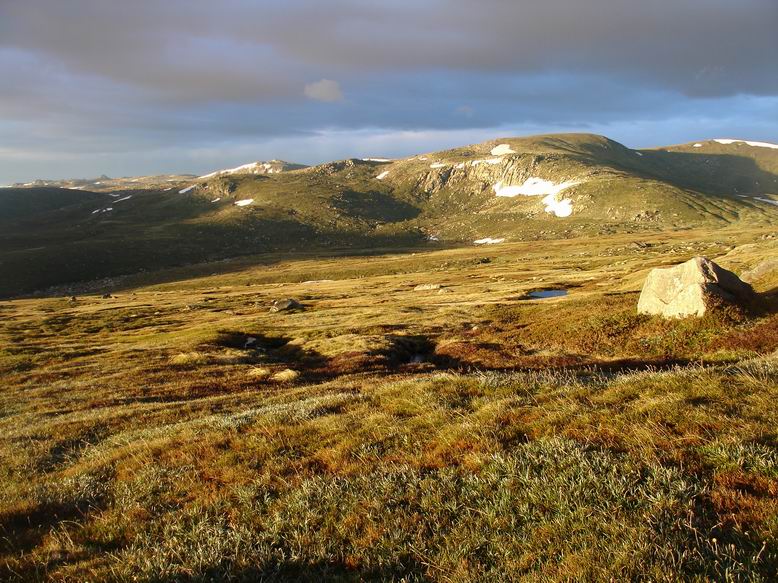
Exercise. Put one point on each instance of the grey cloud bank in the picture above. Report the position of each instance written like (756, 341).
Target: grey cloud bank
(93, 86)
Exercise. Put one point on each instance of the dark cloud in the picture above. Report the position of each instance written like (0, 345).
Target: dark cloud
(112, 76)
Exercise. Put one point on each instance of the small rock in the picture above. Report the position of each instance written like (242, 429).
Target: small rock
(286, 376)
(285, 305)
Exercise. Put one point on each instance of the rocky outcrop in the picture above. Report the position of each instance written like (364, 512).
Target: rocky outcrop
(691, 289)
(286, 305)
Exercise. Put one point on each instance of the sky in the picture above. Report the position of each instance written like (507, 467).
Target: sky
(118, 87)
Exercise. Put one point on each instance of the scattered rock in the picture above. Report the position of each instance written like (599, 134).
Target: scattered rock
(427, 287)
(286, 305)
(691, 289)
(286, 376)
(106, 296)
(760, 270)
(259, 373)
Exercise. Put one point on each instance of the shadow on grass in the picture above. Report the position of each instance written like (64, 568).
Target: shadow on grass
(404, 568)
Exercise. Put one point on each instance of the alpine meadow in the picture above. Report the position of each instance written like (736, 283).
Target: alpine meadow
(442, 329)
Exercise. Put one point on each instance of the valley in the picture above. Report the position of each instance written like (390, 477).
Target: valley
(338, 381)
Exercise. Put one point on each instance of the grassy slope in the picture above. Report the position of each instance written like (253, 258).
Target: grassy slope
(141, 438)
(343, 205)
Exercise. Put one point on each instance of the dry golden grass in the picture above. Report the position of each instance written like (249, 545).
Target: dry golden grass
(404, 435)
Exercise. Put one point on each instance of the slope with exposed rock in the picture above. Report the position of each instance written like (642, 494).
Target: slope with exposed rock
(494, 192)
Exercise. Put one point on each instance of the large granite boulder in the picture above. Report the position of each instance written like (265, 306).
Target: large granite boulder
(691, 289)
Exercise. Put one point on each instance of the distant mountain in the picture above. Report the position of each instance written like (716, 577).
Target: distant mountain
(503, 190)
(270, 167)
(106, 184)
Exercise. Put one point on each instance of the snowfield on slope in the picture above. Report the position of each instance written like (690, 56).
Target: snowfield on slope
(728, 141)
(187, 189)
(535, 186)
(383, 175)
(244, 202)
(502, 149)
(488, 241)
(267, 166)
(492, 161)
(560, 208)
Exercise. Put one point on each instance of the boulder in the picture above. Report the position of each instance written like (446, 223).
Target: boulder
(763, 270)
(285, 305)
(691, 289)
(427, 287)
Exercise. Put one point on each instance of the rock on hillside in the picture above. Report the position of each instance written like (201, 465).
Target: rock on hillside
(691, 289)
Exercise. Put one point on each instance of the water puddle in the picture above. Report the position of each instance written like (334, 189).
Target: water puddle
(543, 294)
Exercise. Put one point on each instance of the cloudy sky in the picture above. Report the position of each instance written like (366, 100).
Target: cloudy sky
(149, 86)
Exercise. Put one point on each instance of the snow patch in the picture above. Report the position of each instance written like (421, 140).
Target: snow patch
(121, 199)
(697, 146)
(267, 166)
(639, 153)
(502, 149)
(437, 165)
(376, 159)
(726, 142)
(560, 208)
(492, 161)
(244, 202)
(533, 186)
(488, 241)
(767, 200)
(383, 175)
(187, 189)
(539, 187)
(216, 199)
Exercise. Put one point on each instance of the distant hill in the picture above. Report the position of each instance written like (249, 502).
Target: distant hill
(270, 167)
(503, 190)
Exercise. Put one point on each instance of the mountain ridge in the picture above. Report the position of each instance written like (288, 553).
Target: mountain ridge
(502, 190)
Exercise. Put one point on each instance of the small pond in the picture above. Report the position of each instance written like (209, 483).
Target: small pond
(543, 294)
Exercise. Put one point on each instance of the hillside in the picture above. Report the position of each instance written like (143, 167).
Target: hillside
(504, 190)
